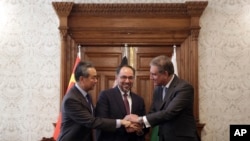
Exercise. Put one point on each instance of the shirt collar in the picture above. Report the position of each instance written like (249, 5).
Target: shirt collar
(168, 84)
(128, 93)
(81, 90)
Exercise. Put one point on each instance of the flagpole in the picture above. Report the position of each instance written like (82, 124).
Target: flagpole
(79, 51)
(125, 50)
(174, 61)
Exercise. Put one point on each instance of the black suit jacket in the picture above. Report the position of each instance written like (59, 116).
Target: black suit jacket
(110, 105)
(77, 118)
(174, 114)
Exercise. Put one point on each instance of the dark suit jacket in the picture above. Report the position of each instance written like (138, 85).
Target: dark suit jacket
(174, 114)
(77, 119)
(110, 105)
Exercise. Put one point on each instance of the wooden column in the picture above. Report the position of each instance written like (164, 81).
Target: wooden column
(195, 10)
(63, 10)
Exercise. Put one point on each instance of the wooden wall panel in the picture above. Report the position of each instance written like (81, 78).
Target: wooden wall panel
(144, 88)
(106, 59)
(105, 81)
(107, 22)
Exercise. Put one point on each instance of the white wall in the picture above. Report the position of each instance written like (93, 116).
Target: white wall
(30, 57)
(224, 67)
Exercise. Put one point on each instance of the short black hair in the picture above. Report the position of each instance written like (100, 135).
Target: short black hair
(118, 69)
(82, 69)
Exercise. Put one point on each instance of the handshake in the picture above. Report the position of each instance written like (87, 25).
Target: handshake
(132, 124)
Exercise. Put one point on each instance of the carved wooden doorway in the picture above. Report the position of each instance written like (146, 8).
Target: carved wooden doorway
(148, 27)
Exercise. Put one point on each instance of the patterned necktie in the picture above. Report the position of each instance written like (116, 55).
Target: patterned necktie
(125, 100)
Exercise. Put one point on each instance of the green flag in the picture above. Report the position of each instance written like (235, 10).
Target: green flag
(154, 134)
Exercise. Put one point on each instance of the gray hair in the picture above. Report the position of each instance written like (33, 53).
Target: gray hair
(163, 63)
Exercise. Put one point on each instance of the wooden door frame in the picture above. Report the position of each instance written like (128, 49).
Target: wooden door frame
(138, 24)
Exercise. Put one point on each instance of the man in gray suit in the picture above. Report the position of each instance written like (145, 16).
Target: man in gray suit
(172, 106)
(78, 112)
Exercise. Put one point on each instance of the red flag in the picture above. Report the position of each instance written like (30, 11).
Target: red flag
(71, 83)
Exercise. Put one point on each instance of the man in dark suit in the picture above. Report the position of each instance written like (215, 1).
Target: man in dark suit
(111, 105)
(78, 112)
(172, 108)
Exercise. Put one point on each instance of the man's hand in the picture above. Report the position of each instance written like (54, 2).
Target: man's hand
(132, 118)
(134, 127)
(125, 123)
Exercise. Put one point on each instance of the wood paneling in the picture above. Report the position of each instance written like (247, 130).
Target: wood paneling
(106, 59)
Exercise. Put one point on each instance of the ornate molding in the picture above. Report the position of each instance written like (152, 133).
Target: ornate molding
(136, 9)
(63, 32)
(195, 34)
(195, 8)
(63, 9)
(190, 8)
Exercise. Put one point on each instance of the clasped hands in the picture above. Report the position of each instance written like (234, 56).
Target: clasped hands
(134, 125)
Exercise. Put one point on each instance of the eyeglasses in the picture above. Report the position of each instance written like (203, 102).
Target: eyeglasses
(127, 77)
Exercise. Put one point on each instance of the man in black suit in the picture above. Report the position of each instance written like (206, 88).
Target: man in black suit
(78, 112)
(111, 105)
(172, 108)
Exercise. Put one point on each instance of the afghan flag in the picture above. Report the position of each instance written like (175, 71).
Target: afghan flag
(71, 83)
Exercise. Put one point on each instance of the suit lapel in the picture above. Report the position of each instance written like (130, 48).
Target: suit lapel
(133, 104)
(119, 99)
(82, 99)
(170, 92)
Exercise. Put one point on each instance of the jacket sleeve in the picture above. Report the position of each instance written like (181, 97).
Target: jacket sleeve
(78, 111)
(180, 100)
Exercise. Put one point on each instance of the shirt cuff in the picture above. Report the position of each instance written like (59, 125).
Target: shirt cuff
(118, 123)
(145, 121)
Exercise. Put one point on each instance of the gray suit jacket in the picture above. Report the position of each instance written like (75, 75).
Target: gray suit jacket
(174, 114)
(77, 118)
(110, 105)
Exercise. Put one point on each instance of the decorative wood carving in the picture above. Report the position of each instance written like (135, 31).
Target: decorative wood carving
(139, 24)
(173, 9)
(195, 34)
(63, 9)
(195, 8)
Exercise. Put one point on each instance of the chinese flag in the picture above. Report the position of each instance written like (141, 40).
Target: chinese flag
(71, 83)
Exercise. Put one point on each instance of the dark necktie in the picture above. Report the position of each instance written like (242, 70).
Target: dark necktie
(125, 99)
(89, 99)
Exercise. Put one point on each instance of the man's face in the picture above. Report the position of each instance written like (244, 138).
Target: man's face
(89, 82)
(159, 79)
(125, 79)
